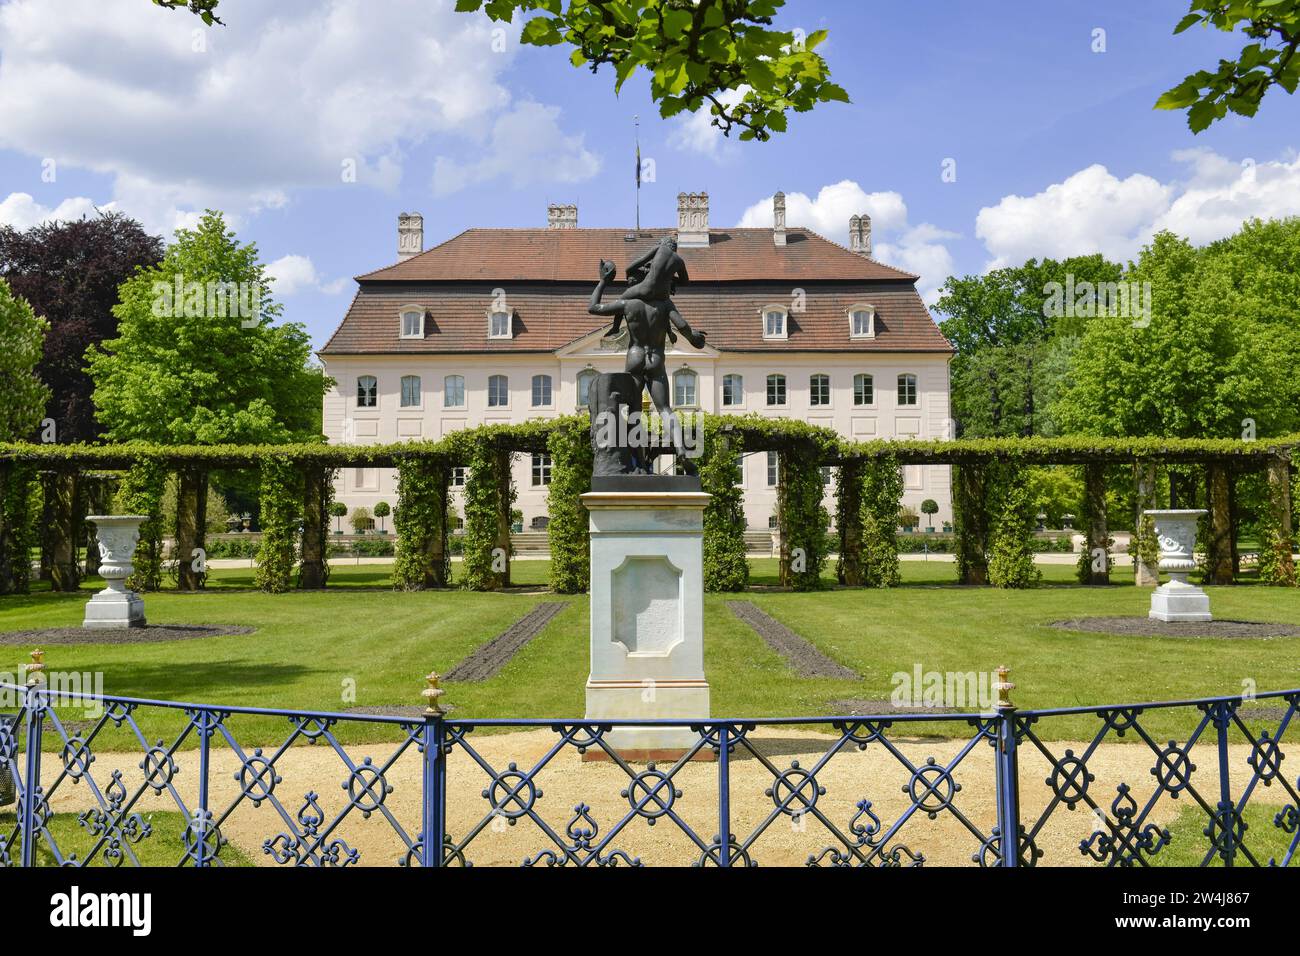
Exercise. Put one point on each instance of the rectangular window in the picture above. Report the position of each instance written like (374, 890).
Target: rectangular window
(541, 391)
(773, 468)
(776, 390)
(499, 325)
(733, 390)
(458, 477)
(862, 325)
(541, 470)
(498, 391)
(367, 391)
(740, 471)
(864, 392)
(774, 324)
(819, 390)
(453, 391)
(411, 391)
(412, 324)
(684, 389)
(907, 390)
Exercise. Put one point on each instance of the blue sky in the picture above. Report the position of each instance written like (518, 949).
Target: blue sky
(1056, 147)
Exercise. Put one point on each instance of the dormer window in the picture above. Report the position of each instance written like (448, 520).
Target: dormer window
(499, 325)
(862, 321)
(413, 322)
(774, 321)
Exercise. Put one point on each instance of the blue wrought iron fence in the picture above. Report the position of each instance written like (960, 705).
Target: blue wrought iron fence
(339, 789)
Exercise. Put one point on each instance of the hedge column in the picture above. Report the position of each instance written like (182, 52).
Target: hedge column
(17, 526)
(970, 524)
(567, 532)
(848, 521)
(1219, 547)
(191, 522)
(505, 491)
(61, 498)
(1094, 490)
(1145, 550)
(421, 524)
(317, 490)
(1277, 563)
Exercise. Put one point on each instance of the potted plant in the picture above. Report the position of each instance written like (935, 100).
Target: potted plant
(338, 511)
(361, 520)
(382, 511)
(908, 518)
(930, 508)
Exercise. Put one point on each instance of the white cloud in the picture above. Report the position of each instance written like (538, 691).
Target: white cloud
(526, 145)
(695, 132)
(236, 117)
(1095, 211)
(22, 211)
(293, 273)
(918, 249)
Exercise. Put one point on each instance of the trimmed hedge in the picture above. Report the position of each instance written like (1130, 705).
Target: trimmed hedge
(567, 532)
(424, 557)
(725, 565)
(281, 494)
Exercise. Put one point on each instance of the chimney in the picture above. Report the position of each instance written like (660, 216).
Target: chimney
(778, 219)
(692, 220)
(860, 235)
(410, 235)
(561, 216)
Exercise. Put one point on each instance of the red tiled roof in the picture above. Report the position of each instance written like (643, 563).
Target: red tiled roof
(548, 276)
(570, 255)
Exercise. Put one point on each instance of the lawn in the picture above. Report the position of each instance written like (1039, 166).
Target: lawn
(361, 643)
(164, 845)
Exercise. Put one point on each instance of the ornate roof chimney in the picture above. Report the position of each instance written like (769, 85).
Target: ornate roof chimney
(410, 235)
(561, 216)
(860, 235)
(778, 219)
(692, 219)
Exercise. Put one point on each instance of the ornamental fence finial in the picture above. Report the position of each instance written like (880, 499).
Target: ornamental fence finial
(431, 695)
(1004, 688)
(34, 669)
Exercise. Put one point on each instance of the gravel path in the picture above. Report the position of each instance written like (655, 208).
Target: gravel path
(1149, 627)
(496, 653)
(801, 655)
(149, 634)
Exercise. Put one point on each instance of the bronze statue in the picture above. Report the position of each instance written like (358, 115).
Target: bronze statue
(647, 309)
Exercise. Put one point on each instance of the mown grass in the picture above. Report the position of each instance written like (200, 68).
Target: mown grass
(164, 845)
(361, 643)
(1189, 843)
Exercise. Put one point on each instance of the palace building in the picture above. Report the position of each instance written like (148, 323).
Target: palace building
(492, 326)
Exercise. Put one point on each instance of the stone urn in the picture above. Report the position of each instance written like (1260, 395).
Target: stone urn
(116, 606)
(1178, 600)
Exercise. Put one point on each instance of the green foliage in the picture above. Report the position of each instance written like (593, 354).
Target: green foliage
(1010, 527)
(489, 498)
(970, 522)
(1239, 85)
(382, 511)
(423, 557)
(195, 367)
(803, 521)
(882, 487)
(1217, 357)
(718, 54)
(18, 511)
(141, 493)
(725, 566)
(204, 9)
(23, 396)
(571, 461)
(280, 498)
(361, 520)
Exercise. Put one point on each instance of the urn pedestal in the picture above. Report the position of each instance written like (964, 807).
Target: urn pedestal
(647, 619)
(1178, 600)
(116, 606)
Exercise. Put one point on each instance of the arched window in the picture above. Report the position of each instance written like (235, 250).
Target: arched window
(907, 390)
(684, 389)
(367, 391)
(733, 390)
(862, 321)
(499, 325)
(776, 389)
(585, 378)
(774, 321)
(541, 391)
(864, 389)
(412, 322)
(411, 391)
(819, 389)
(498, 391)
(453, 391)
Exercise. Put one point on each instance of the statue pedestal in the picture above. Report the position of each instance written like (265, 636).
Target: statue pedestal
(1178, 600)
(647, 619)
(116, 606)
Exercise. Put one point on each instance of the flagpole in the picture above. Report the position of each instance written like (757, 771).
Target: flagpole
(637, 123)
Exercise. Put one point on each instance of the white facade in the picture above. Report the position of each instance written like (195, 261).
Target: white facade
(348, 417)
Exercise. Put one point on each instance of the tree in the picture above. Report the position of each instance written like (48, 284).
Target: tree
(930, 508)
(24, 395)
(1239, 85)
(715, 53)
(1014, 330)
(1217, 357)
(197, 358)
(338, 511)
(382, 511)
(361, 520)
(70, 273)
